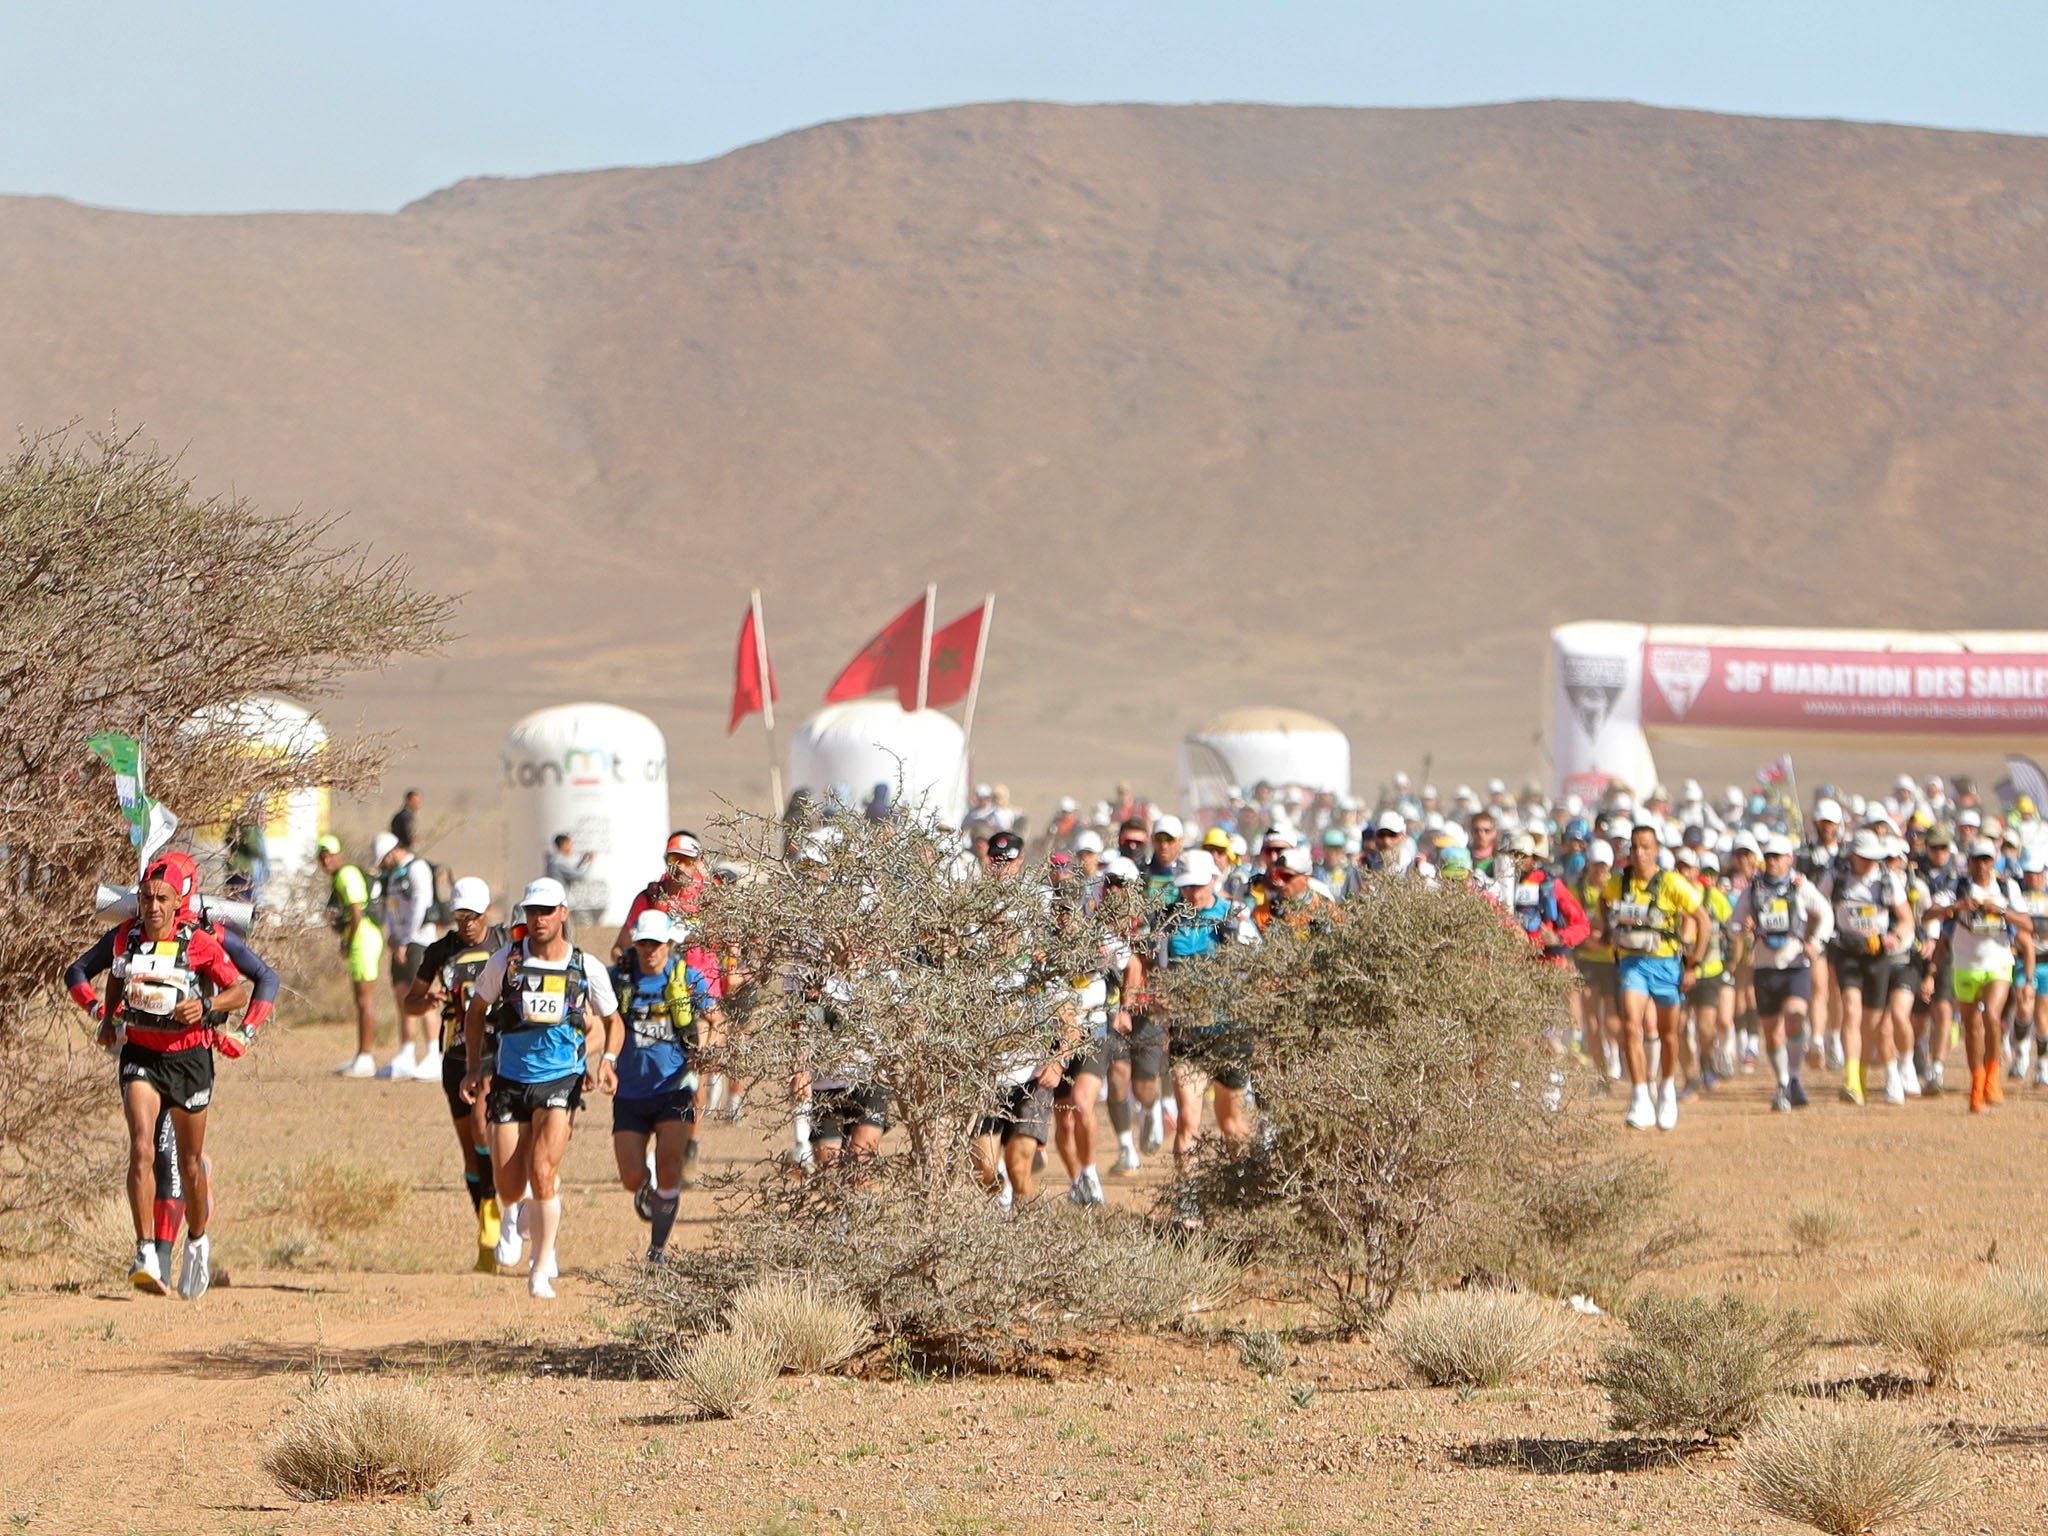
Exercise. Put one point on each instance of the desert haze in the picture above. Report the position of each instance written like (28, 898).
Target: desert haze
(1335, 408)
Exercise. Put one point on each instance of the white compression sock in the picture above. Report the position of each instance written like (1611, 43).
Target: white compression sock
(546, 1229)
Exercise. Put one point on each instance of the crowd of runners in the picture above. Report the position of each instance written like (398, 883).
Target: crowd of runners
(1712, 940)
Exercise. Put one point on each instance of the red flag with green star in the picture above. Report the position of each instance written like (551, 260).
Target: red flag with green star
(887, 661)
(955, 650)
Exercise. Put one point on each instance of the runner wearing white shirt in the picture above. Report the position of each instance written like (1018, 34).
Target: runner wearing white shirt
(1873, 929)
(1791, 923)
(408, 884)
(1982, 914)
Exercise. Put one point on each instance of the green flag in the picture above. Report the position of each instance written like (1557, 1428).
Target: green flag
(150, 824)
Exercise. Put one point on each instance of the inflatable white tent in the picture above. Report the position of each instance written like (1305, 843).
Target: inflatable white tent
(292, 822)
(599, 773)
(1616, 690)
(1276, 746)
(852, 747)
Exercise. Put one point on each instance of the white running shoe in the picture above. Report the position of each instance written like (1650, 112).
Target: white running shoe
(1667, 1105)
(1127, 1160)
(1835, 1057)
(2041, 1072)
(400, 1068)
(1894, 1084)
(509, 1243)
(198, 1272)
(147, 1272)
(429, 1068)
(537, 1286)
(1642, 1109)
(1094, 1182)
(1910, 1076)
(362, 1064)
(1155, 1128)
(1077, 1192)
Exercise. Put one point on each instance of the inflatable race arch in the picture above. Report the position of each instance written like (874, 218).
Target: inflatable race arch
(1617, 691)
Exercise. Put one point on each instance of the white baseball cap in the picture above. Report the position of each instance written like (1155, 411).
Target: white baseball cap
(382, 844)
(1970, 818)
(1121, 867)
(653, 924)
(1778, 843)
(470, 895)
(1710, 860)
(1295, 860)
(1983, 848)
(1391, 821)
(2034, 860)
(1744, 839)
(1168, 826)
(1868, 845)
(1600, 851)
(1088, 842)
(544, 893)
(1198, 867)
(1828, 810)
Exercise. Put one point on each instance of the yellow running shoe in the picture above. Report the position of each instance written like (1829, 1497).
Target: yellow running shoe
(487, 1223)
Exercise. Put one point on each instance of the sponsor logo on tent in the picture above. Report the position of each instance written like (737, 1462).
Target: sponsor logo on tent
(1680, 672)
(1593, 684)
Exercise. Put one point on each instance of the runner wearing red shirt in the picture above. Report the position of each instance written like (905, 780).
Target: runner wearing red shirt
(165, 966)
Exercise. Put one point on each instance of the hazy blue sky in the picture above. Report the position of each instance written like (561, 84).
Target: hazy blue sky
(366, 105)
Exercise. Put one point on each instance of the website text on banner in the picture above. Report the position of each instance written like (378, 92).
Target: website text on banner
(1746, 688)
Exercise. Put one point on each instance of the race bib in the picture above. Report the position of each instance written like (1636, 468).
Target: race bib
(1776, 918)
(1865, 922)
(543, 1000)
(156, 998)
(1630, 914)
(1527, 895)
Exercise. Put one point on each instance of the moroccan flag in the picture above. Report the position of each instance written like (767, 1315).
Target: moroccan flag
(955, 651)
(747, 695)
(890, 660)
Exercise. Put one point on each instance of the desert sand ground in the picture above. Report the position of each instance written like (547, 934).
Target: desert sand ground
(126, 1413)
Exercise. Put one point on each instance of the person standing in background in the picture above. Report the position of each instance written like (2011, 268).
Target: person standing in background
(572, 869)
(408, 889)
(405, 820)
(362, 946)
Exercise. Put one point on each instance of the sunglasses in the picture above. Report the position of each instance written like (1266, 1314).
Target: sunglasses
(1384, 832)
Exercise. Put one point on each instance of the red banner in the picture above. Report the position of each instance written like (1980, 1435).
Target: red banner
(1906, 692)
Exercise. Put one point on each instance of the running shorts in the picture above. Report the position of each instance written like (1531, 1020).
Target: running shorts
(405, 962)
(1600, 978)
(1144, 1048)
(514, 1103)
(1025, 1110)
(1223, 1056)
(2041, 975)
(1774, 989)
(836, 1113)
(639, 1117)
(454, 1065)
(1655, 976)
(1706, 991)
(1870, 975)
(182, 1079)
(1907, 974)
(365, 953)
(1970, 985)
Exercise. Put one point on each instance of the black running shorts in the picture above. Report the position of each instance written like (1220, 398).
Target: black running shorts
(513, 1103)
(182, 1079)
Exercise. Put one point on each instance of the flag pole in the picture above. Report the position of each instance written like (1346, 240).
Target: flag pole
(142, 807)
(768, 718)
(924, 651)
(988, 618)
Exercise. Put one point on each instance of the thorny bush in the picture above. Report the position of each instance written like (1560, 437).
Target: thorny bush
(1408, 1091)
(129, 601)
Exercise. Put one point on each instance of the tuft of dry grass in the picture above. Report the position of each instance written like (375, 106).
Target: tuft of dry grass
(1940, 1323)
(810, 1326)
(2027, 1289)
(724, 1374)
(1817, 1228)
(334, 1197)
(1700, 1363)
(356, 1440)
(1476, 1338)
(1843, 1473)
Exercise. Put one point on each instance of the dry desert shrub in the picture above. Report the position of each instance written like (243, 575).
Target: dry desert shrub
(946, 1275)
(1476, 1338)
(812, 1326)
(1704, 1364)
(1584, 1222)
(2027, 1289)
(1820, 1227)
(355, 1440)
(1841, 1472)
(1940, 1323)
(1404, 1082)
(723, 1373)
(333, 1196)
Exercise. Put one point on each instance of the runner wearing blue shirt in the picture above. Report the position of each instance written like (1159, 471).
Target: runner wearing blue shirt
(551, 1006)
(663, 1000)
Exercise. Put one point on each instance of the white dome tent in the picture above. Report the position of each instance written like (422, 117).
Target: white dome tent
(921, 756)
(293, 821)
(1266, 744)
(599, 773)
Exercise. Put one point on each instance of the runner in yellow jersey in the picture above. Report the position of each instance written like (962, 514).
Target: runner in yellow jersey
(1651, 918)
(1596, 1002)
